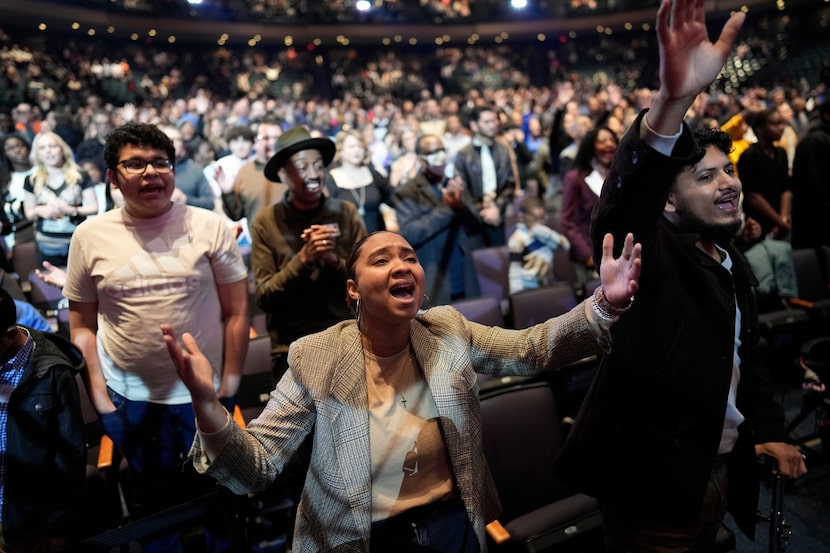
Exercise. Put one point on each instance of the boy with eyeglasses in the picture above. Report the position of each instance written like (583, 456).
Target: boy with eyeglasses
(131, 270)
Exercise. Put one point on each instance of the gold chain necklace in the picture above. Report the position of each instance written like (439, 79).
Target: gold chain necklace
(391, 368)
(407, 367)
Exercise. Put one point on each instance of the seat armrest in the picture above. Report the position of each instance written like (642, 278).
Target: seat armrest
(237, 416)
(497, 532)
(105, 451)
(801, 303)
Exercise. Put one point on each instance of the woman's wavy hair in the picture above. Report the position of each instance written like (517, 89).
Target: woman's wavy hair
(72, 174)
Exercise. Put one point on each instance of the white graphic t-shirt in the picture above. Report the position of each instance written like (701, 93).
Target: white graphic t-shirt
(147, 272)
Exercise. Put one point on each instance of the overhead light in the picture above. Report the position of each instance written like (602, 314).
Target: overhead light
(518, 4)
(363, 5)
(194, 2)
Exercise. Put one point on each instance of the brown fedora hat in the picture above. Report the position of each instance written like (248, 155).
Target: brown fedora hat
(292, 141)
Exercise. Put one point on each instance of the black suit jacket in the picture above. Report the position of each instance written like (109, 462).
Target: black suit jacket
(653, 418)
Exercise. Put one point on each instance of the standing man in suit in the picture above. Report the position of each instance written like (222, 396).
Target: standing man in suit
(488, 171)
(668, 435)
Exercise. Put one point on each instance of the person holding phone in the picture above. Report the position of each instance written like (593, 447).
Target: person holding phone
(300, 244)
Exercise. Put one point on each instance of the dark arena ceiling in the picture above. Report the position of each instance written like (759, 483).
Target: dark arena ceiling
(335, 21)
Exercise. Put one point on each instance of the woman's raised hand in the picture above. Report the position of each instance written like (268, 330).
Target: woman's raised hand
(193, 367)
(620, 276)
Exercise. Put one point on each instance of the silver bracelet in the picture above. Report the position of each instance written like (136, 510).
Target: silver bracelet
(605, 309)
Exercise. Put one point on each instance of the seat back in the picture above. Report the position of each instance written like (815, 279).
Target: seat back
(530, 307)
(483, 309)
(11, 284)
(24, 261)
(258, 324)
(522, 436)
(809, 275)
(257, 378)
(492, 266)
(590, 285)
(563, 266)
(44, 296)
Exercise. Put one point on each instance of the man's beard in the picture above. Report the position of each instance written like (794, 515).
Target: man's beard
(719, 233)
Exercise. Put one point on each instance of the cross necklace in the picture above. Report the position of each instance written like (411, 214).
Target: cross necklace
(406, 367)
(396, 372)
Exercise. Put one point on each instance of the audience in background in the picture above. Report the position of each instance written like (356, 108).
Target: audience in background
(441, 224)
(15, 166)
(487, 169)
(221, 174)
(192, 188)
(251, 190)
(531, 247)
(765, 176)
(407, 163)
(95, 136)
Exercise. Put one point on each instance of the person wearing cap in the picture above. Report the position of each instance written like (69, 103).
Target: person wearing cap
(300, 245)
(129, 271)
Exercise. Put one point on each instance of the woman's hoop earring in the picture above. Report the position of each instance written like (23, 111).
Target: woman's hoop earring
(425, 300)
(357, 311)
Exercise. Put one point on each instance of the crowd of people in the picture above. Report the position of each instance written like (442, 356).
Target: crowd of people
(176, 211)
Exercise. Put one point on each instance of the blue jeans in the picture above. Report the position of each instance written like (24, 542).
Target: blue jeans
(155, 440)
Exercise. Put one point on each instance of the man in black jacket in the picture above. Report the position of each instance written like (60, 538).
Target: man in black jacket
(42, 453)
(442, 227)
(669, 432)
(487, 169)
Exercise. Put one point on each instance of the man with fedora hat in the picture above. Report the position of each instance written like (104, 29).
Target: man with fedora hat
(300, 245)
(299, 249)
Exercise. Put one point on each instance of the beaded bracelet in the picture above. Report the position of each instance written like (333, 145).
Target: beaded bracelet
(605, 309)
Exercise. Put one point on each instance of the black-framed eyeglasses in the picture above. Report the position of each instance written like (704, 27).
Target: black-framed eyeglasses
(138, 166)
